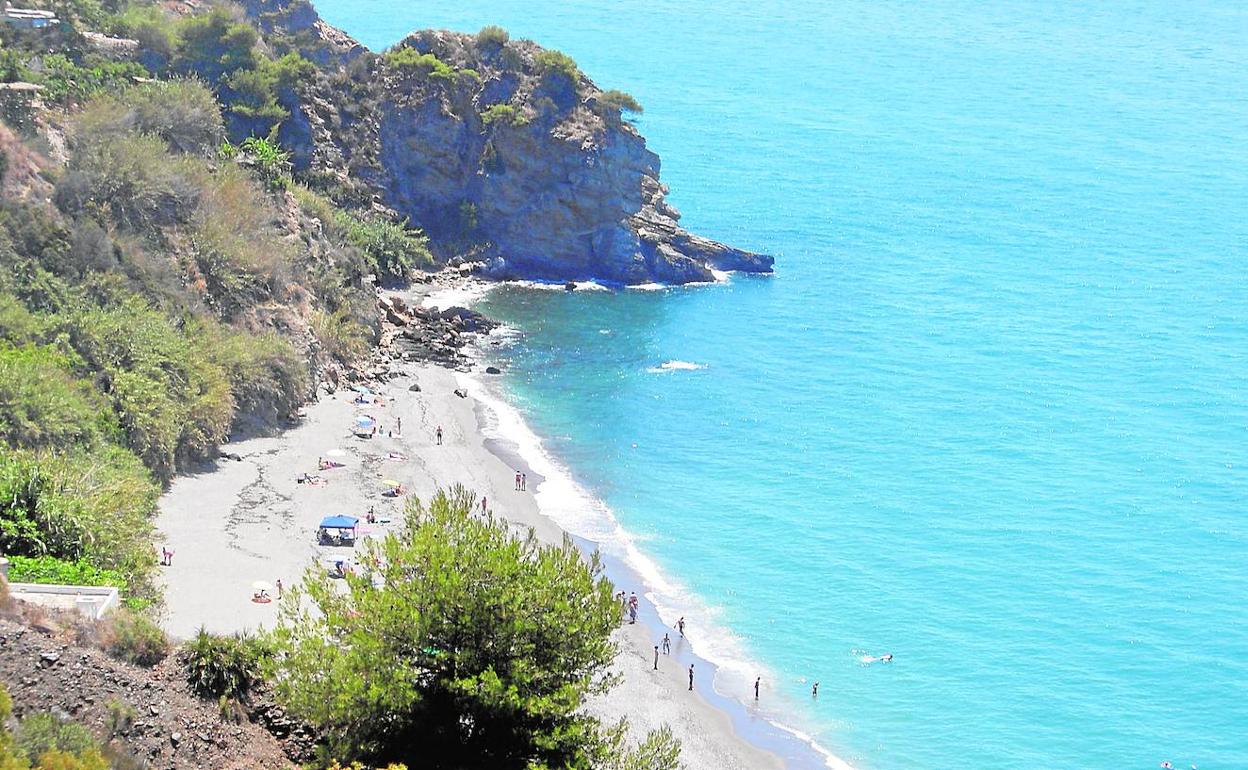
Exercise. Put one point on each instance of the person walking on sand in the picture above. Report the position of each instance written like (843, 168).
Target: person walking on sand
(278, 584)
(667, 644)
(757, 679)
(656, 657)
(632, 614)
(690, 677)
(517, 481)
(439, 435)
(680, 625)
(524, 482)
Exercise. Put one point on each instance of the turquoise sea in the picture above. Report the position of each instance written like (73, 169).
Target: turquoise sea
(991, 413)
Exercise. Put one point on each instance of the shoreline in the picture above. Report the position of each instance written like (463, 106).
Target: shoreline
(239, 521)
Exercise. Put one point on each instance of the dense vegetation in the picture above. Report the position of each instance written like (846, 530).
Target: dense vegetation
(175, 290)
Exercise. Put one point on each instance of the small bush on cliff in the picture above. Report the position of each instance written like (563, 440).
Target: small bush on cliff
(551, 63)
(425, 64)
(155, 28)
(615, 102)
(492, 35)
(134, 638)
(214, 44)
(226, 666)
(505, 114)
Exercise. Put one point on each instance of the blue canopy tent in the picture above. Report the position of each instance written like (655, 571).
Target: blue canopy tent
(337, 530)
(339, 522)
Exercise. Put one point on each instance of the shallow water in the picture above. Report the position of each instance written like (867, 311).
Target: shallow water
(990, 415)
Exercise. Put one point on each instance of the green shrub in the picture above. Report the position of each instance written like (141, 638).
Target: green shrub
(551, 63)
(49, 569)
(618, 101)
(492, 35)
(38, 734)
(425, 64)
(214, 44)
(271, 162)
(392, 248)
(504, 113)
(224, 666)
(134, 638)
(257, 92)
(155, 28)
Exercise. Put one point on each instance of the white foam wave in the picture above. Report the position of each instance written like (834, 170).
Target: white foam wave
(457, 295)
(675, 366)
(559, 285)
(576, 510)
(648, 287)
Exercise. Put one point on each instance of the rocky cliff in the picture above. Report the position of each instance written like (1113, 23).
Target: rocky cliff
(498, 149)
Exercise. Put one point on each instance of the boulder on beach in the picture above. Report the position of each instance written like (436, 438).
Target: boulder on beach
(493, 370)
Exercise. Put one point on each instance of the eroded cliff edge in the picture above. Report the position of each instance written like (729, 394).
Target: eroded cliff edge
(500, 150)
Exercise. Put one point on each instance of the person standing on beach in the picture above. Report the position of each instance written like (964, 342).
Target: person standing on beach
(632, 614)
(524, 482)
(398, 430)
(757, 679)
(483, 504)
(439, 435)
(814, 691)
(278, 583)
(517, 481)
(667, 644)
(690, 677)
(656, 657)
(680, 624)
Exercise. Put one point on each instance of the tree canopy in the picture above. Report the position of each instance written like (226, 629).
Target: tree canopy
(459, 645)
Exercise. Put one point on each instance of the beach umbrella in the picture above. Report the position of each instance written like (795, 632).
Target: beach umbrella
(391, 483)
(365, 421)
(261, 585)
(335, 453)
(361, 389)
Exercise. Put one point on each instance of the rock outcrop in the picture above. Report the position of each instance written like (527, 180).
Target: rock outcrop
(149, 714)
(498, 153)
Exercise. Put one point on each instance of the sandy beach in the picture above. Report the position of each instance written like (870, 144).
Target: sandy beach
(249, 520)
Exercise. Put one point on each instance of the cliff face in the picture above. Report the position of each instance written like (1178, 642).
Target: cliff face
(496, 153)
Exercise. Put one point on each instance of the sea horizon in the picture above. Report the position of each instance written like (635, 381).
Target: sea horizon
(988, 415)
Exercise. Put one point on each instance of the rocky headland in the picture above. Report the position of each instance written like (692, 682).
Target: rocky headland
(502, 151)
